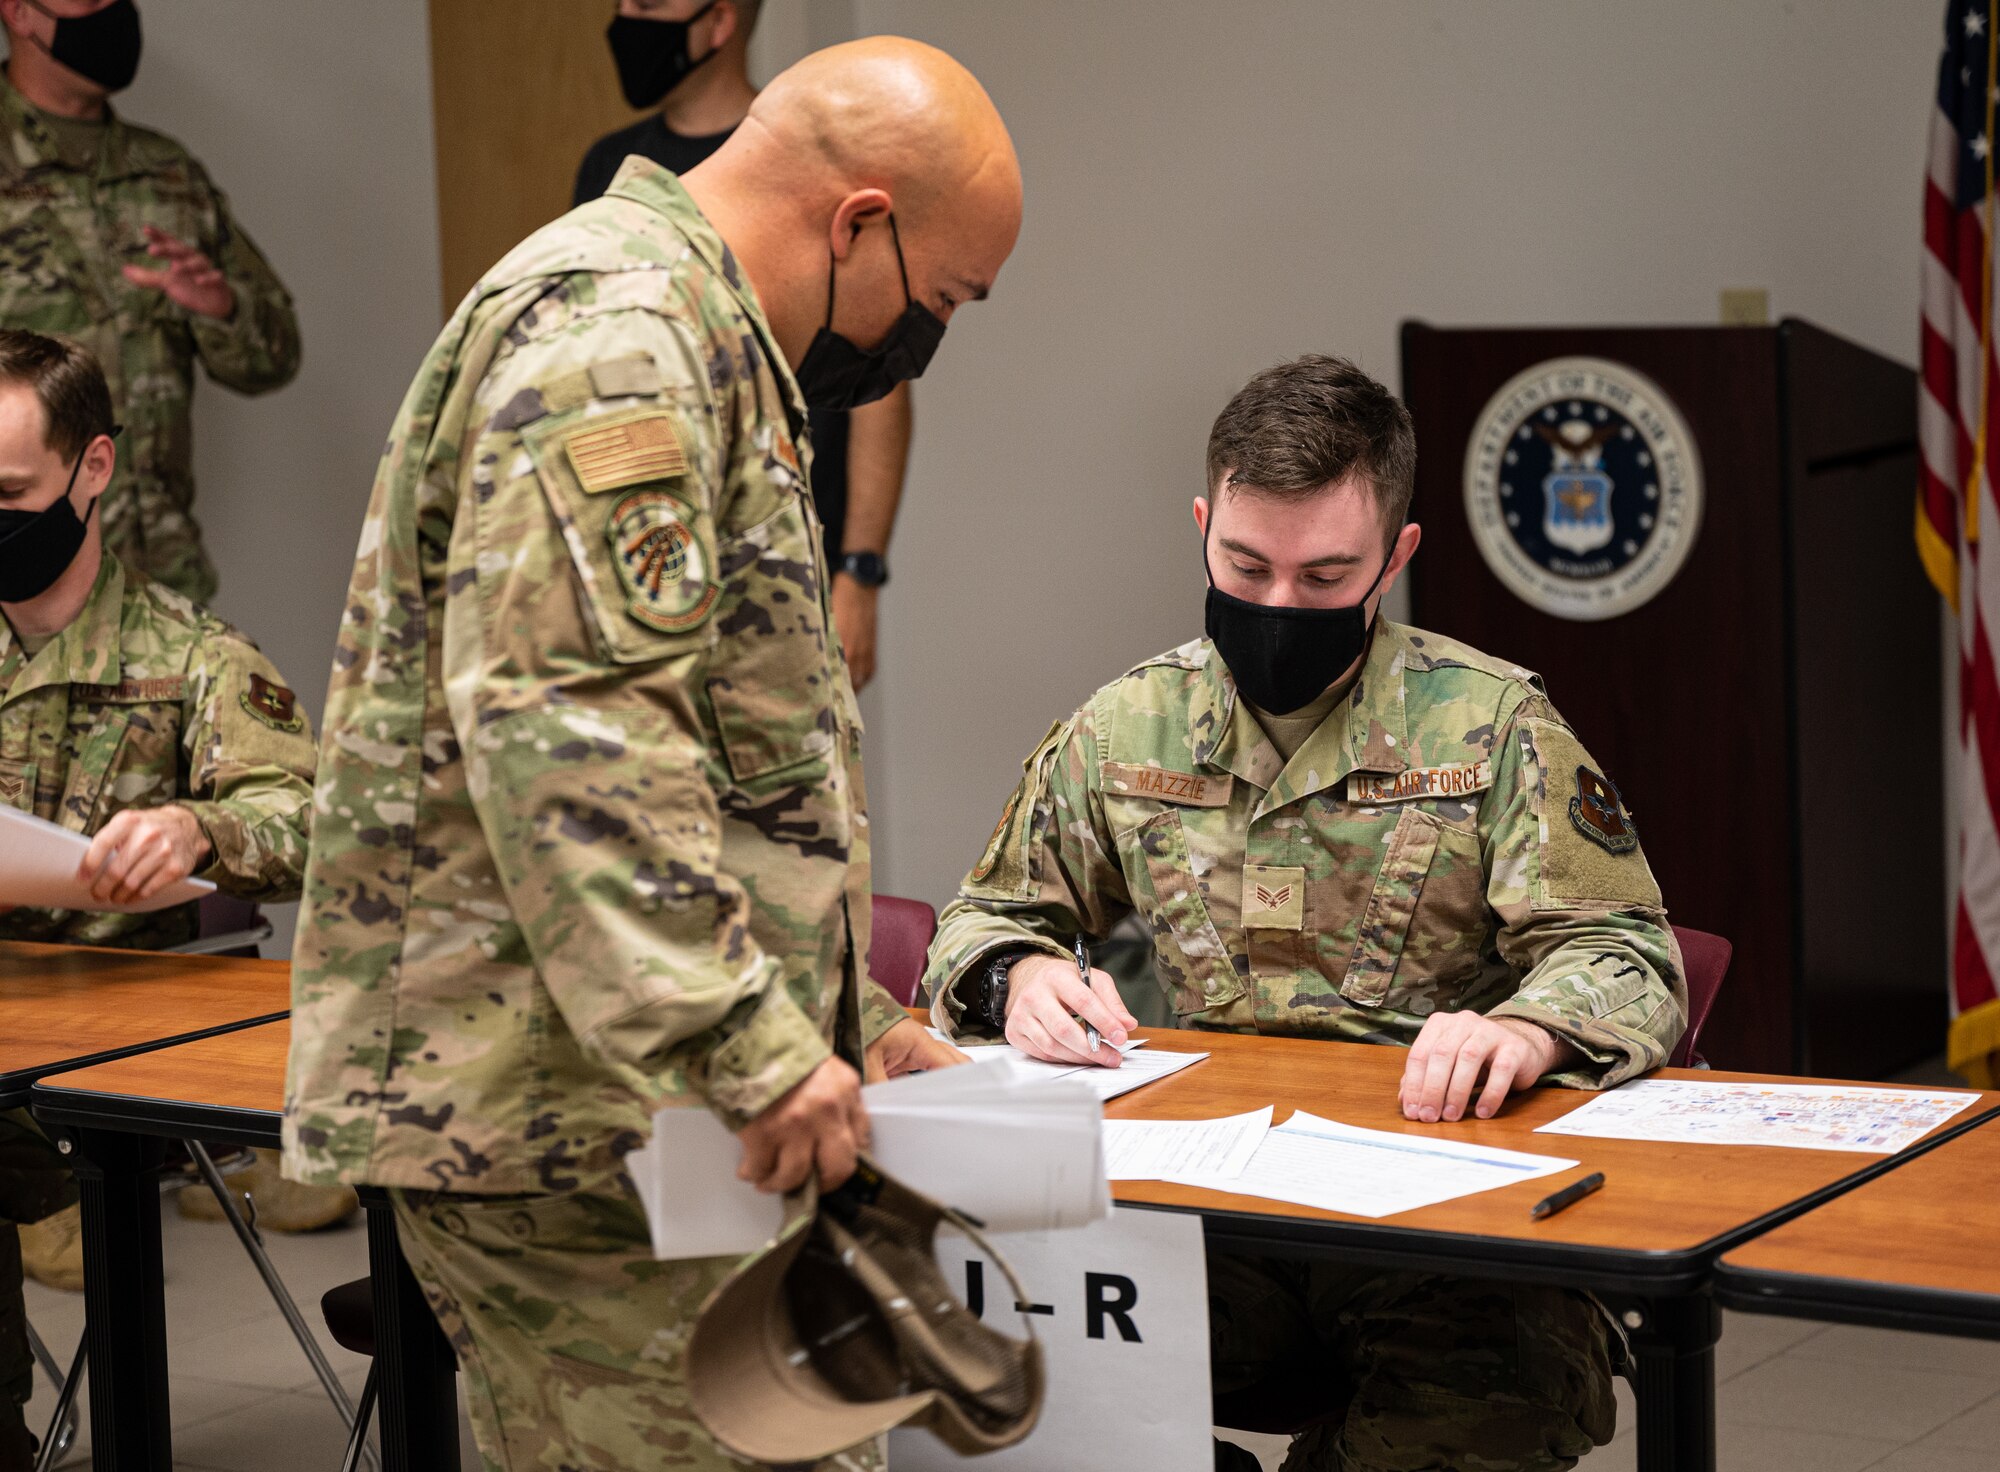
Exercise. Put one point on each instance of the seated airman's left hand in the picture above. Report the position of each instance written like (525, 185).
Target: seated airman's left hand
(1454, 1049)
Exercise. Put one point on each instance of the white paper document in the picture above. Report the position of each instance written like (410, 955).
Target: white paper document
(1013, 1155)
(1137, 1070)
(1161, 1149)
(38, 867)
(1801, 1116)
(1316, 1162)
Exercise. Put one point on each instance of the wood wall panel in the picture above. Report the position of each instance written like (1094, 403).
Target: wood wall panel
(519, 89)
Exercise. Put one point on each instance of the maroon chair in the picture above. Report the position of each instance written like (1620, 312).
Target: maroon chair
(902, 937)
(1707, 957)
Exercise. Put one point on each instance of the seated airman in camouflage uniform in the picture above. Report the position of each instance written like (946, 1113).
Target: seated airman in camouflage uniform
(129, 714)
(1335, 826)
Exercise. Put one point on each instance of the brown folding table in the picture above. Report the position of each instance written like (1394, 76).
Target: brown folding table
(229, 1087)
(1912, 1249)
(1647, 1243)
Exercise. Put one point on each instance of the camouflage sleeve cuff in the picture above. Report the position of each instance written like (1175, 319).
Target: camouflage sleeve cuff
(239, 859)
(759, 1063)
(879, 1012)
(1609, 1058)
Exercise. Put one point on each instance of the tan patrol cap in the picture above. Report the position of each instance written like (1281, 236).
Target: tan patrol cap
(844, 1327)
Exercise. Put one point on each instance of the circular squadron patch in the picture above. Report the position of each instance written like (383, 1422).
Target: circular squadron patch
(1583, 487)
(666, 571)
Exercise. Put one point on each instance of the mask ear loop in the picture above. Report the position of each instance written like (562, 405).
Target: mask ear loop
(901, 270)
(112, 435)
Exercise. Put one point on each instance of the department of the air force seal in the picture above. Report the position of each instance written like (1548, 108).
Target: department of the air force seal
(1583, 487)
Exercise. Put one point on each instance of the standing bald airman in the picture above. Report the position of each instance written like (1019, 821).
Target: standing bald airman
(591, 837)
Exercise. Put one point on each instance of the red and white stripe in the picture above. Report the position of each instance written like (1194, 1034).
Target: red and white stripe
(1948, 421)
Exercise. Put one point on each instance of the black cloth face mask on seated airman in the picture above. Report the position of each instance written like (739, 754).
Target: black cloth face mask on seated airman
(1282, 658)
(37, 547)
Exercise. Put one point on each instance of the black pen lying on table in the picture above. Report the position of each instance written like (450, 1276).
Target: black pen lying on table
(1567, 1196)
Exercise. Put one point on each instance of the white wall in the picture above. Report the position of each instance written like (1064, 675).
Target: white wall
(1212, 188)
(316, 121)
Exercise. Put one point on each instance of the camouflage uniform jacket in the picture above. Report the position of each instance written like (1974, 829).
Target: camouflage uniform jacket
(145, 700)
(591, 834)
(1439, 842)
(64, 234)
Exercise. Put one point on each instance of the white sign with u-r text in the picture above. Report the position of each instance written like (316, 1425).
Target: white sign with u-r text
(1121, 1310)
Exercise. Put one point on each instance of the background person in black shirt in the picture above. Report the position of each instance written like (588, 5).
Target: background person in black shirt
(690, 60)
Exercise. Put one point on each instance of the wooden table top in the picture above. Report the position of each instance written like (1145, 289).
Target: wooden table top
(1922, 1226)
(243, 1071)
(63, 1004)
(1666, 1199)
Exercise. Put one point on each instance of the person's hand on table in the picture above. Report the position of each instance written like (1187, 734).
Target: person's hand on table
(817, 1126)
(140, 852)
(908, 1047)
(187, 277)
(1453, 1051)
(1045, 999)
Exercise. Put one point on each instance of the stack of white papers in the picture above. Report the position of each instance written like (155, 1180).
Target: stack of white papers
(1138, 1069)
(1801, 1116)
(1337, 1167)
(1165, 1149)
(1014, 1154)
(38, 867)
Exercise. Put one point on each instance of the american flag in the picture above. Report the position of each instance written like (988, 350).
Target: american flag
(1961, 454)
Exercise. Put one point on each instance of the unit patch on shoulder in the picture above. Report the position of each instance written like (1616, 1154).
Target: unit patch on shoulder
(626, 453)
(994, 844)
(274, 705)
(667, 572)
(1599, 813)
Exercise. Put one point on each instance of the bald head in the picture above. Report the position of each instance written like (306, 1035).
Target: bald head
(834, 147)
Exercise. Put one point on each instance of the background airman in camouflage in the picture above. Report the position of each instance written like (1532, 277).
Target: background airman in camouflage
(130, 715)
(591, 838)
(113, 235)
(1422, 854)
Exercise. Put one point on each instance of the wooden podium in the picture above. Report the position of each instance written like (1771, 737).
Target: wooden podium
(1772, 713)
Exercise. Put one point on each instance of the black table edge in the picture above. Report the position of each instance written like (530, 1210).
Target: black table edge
(15, 1087)
(1599, 1269)
(87, 1109)
(1849, 1301)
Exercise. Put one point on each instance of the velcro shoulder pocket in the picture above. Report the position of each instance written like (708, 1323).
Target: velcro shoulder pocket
(628, 490)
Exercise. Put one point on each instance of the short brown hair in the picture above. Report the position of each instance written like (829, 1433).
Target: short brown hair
(66, 378)
(1302, 425)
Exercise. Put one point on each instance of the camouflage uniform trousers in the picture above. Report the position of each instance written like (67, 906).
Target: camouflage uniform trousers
(35, 1182)
(1414, 1370)
(568, 1332)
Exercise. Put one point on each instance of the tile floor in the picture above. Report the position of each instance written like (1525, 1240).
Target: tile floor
(245, 1399)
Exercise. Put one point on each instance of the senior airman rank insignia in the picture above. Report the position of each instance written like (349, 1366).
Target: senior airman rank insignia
(1599, 813)
(274, 705)
(665, 569)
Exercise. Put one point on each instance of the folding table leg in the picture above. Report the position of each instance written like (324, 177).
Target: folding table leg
(124, 1299)
(414, 1365)
(1673, 1342)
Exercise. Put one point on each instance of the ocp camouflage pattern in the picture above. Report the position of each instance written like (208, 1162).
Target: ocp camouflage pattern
(1445, 899)
(140, 702)
(570, 865)
(64, 234)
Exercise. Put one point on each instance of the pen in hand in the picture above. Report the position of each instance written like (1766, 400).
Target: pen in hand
(1091, 1036)
(1568, 1196)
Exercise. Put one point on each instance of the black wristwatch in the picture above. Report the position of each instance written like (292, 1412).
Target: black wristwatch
(870, 569)
(990, 1002)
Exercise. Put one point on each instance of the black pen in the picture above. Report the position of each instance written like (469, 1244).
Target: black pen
(1090, 1035)
(1567, 1196)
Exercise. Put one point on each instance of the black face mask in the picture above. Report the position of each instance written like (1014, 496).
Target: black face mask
(652, 55)
(102, 47)
(1283, 658)
(836, 376)
(37, 547)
